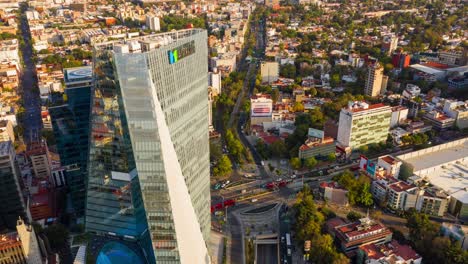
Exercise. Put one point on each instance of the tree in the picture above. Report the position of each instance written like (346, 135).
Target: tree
(295, 163)
(406, 171)
(57, 235)
(215, 152)
(275, 95)
(310, 162)
(278, 149)
(288, 71)
(353, 216)
(331, 157)
(365, 196)
(312, 92)
(263, 149)
(298, 107)
(223, 167)
(335, 79)
(308, 226)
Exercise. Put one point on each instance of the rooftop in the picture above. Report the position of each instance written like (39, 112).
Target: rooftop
(161, 39)
(400, 186)
(356, 107)
(389, 159)
(78, 73)
(426, 69)
(376, 252)
(362, 229)
(453, 179)
(9, 241)
(437, 155)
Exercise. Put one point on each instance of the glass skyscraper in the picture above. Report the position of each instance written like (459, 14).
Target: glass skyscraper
(148, 170)
(70, 123)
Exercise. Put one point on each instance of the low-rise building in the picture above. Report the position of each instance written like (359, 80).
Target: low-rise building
(261, 109)
(396, 194)
(392, 252)
(439, 120)
(457, 111)
(365, 231)
(38, 154)
(389, 165)
(317, 145)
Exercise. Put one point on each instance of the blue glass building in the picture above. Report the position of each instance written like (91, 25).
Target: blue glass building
(70, 122)
(148, 168)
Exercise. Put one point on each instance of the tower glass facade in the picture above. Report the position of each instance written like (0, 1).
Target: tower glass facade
(70, 123)
(149, 150)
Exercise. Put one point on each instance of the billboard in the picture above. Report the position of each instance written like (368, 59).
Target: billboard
(261, 109)
(316, 133)
(371, 166)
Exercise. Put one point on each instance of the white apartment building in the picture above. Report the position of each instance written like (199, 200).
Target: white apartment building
(362, 124)
(399, 115)
(457, 111)
(214, 81)
(152, 22)
(9, 50)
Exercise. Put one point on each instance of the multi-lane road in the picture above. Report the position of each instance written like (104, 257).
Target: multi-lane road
(31, 121)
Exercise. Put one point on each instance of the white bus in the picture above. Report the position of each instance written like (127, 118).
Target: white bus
(288, 240)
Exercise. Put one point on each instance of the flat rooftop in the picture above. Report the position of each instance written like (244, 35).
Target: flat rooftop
(160, 39)
(78, 73)
(453, 179)
(437, 155)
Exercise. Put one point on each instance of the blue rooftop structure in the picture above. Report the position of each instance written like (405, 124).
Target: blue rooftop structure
(117, 253)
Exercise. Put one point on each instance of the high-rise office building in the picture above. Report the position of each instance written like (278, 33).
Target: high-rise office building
(70, 123)
(362, 124)
(149, 152)
(374, 80)
(12, 203)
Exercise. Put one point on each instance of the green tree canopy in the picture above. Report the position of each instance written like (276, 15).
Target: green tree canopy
(295, 163)
(224, 166)
(310, 163)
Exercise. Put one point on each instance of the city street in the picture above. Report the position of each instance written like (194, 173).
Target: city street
(32, 121)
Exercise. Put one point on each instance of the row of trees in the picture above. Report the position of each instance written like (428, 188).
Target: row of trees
(309, 225)
(223, 165)
(235, 147)
(74, 59)
(176, 22)
(426, 238)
